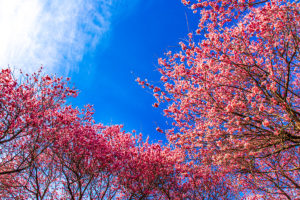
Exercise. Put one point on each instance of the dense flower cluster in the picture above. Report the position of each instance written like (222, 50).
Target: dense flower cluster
(233, 95)
(50, 150)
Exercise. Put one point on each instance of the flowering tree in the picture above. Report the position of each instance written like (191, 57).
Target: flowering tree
(51, 150)
(28, 122)
(27, 112)
(234, 95)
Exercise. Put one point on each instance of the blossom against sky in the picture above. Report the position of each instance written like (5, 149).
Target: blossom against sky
(103, 45)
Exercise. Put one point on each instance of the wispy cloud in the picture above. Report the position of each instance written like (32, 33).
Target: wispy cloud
(52, 33)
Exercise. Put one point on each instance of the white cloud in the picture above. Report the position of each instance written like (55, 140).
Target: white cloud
(52, 33)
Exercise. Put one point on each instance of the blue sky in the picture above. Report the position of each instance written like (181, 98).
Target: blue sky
(103, 46)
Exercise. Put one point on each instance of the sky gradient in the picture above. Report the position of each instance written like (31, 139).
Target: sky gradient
(103, 46)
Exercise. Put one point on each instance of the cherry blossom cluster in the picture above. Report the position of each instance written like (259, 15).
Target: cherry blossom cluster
(51, 150)
(234, 94)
